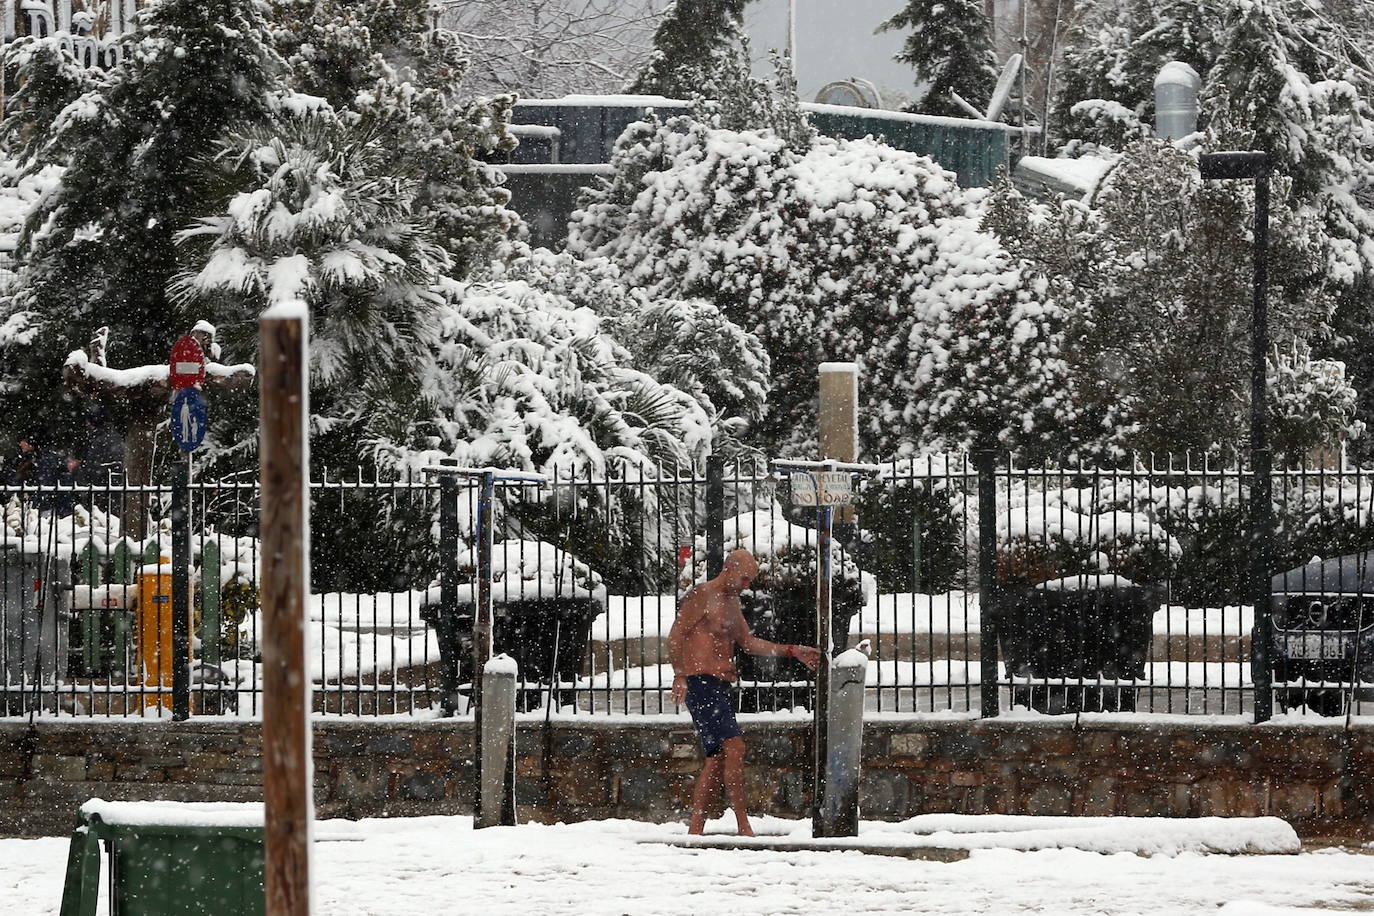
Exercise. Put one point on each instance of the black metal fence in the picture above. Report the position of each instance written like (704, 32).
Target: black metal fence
(1095, 589)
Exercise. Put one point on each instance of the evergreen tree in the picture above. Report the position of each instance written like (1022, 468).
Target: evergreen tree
(950, 47)
(1282, 85)
(1115, 53)
(380, 61)
(689, 41)
(1156, 308)
(47, 79)
(99, 250)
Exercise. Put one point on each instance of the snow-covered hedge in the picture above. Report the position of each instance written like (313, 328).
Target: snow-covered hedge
(837, 250)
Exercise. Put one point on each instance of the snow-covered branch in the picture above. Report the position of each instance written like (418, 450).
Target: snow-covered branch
(552, 47)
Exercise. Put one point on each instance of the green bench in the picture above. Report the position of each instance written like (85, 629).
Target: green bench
(167, 859)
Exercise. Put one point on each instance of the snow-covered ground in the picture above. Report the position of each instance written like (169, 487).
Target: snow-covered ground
(428, 866)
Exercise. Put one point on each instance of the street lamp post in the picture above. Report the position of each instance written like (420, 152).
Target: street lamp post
(1258, 167)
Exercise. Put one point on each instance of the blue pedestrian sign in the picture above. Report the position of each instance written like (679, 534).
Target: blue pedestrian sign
(189, 419)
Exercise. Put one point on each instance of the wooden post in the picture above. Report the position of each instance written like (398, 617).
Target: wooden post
(284, 457)
(838, 433)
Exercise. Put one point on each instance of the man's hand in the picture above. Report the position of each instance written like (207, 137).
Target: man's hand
(679, 689)
(810, 656)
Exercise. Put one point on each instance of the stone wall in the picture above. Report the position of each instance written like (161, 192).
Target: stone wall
(1319, 777)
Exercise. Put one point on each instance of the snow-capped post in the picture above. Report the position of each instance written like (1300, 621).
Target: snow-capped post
(985, 462)
(1257, 166)
(284, 452)
(849, 672)
(482, 624)
(838, 419)
(496, 748)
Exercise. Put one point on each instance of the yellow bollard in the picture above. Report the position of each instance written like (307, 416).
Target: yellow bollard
(155, 630)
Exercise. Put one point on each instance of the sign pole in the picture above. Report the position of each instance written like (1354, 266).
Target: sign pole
(181, 594)
(284, 457)
(820, 822)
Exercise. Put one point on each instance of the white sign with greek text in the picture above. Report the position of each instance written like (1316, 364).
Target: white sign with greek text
(823, 488)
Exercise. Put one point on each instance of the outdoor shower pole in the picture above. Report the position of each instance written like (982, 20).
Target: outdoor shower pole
(825, 516)
(1257, 166)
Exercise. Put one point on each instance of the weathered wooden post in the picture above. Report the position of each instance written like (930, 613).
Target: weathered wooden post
(284, 456)
(838, 420)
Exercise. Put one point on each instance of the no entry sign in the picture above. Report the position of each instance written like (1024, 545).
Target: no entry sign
(186, 368)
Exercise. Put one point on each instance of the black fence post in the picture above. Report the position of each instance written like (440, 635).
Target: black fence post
(448, 585)
(985, 461)
(1261, 585)
(181, 592)
(715, 515)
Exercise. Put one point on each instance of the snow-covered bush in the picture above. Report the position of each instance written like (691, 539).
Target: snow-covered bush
(896, 507)
(687, 343)
(1155, 283)
(786, 553)
(524, 570)
(841, 250)
(522, 378)
(1313, 402)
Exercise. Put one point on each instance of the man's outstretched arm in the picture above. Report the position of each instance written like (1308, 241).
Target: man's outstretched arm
(809, 656)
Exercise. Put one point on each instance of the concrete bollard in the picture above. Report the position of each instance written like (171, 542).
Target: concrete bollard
(840, 805)
(495, 775)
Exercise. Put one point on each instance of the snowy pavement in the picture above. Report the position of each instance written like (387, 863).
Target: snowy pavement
(439, 865)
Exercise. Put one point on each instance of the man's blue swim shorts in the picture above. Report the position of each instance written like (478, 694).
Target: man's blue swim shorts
(708, 700)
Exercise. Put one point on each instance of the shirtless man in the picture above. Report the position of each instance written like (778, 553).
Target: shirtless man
(701, 647)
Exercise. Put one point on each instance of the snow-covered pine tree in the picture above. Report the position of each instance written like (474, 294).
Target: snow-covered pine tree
(1282, 84)
(1156, 302)
(47, 79)
(99, 250)
(688, 41)
(381, 61)
(687, 343)
(950, 47)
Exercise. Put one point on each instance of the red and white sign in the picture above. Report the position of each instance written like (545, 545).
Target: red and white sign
(187, 366)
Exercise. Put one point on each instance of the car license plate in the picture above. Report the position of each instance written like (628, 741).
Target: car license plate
(1316, 646)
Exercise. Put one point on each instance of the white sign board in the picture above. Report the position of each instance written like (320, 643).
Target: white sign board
(823, 488)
